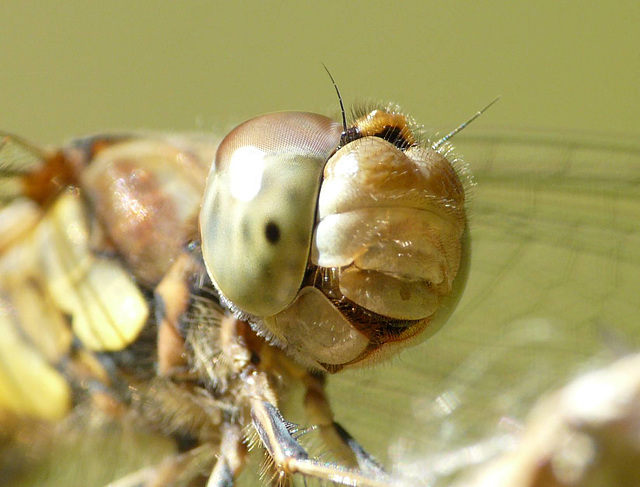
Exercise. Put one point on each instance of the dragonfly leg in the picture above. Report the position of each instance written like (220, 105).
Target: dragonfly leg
(289, 456)
(232, 458)
(250, 359)
(319, 412)
(180, 469)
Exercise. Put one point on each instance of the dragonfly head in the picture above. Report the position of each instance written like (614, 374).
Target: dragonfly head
(340, 253)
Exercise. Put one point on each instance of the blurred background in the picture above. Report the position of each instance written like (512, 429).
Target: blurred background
(73, 68)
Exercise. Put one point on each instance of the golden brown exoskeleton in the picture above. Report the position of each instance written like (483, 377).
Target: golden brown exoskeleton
(315, 247)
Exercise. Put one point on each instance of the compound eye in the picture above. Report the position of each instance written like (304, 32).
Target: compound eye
(259, 207)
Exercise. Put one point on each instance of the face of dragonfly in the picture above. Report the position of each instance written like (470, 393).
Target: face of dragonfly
(340, 262)
(554, 262)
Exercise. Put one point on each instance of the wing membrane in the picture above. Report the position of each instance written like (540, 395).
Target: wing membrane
(17, 158)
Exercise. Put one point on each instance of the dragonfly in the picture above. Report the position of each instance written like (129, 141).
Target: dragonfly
(553, 267)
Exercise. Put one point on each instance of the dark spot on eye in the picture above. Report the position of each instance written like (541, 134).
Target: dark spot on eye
(272, 232)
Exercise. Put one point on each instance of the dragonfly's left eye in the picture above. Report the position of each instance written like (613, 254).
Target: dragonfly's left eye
(259, 207)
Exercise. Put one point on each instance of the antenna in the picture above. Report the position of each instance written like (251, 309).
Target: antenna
(462, 125)
(344, 117)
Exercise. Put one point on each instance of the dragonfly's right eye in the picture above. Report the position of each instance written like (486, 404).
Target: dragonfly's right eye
(259, 207)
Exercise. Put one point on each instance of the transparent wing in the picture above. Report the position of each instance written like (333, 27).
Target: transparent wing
(553, 289)
(17, 158)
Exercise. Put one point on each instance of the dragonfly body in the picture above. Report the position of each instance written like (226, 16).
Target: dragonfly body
(120, 291)
(154, 363)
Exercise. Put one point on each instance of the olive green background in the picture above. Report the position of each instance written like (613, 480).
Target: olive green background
(74, 68)
(77, 67)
